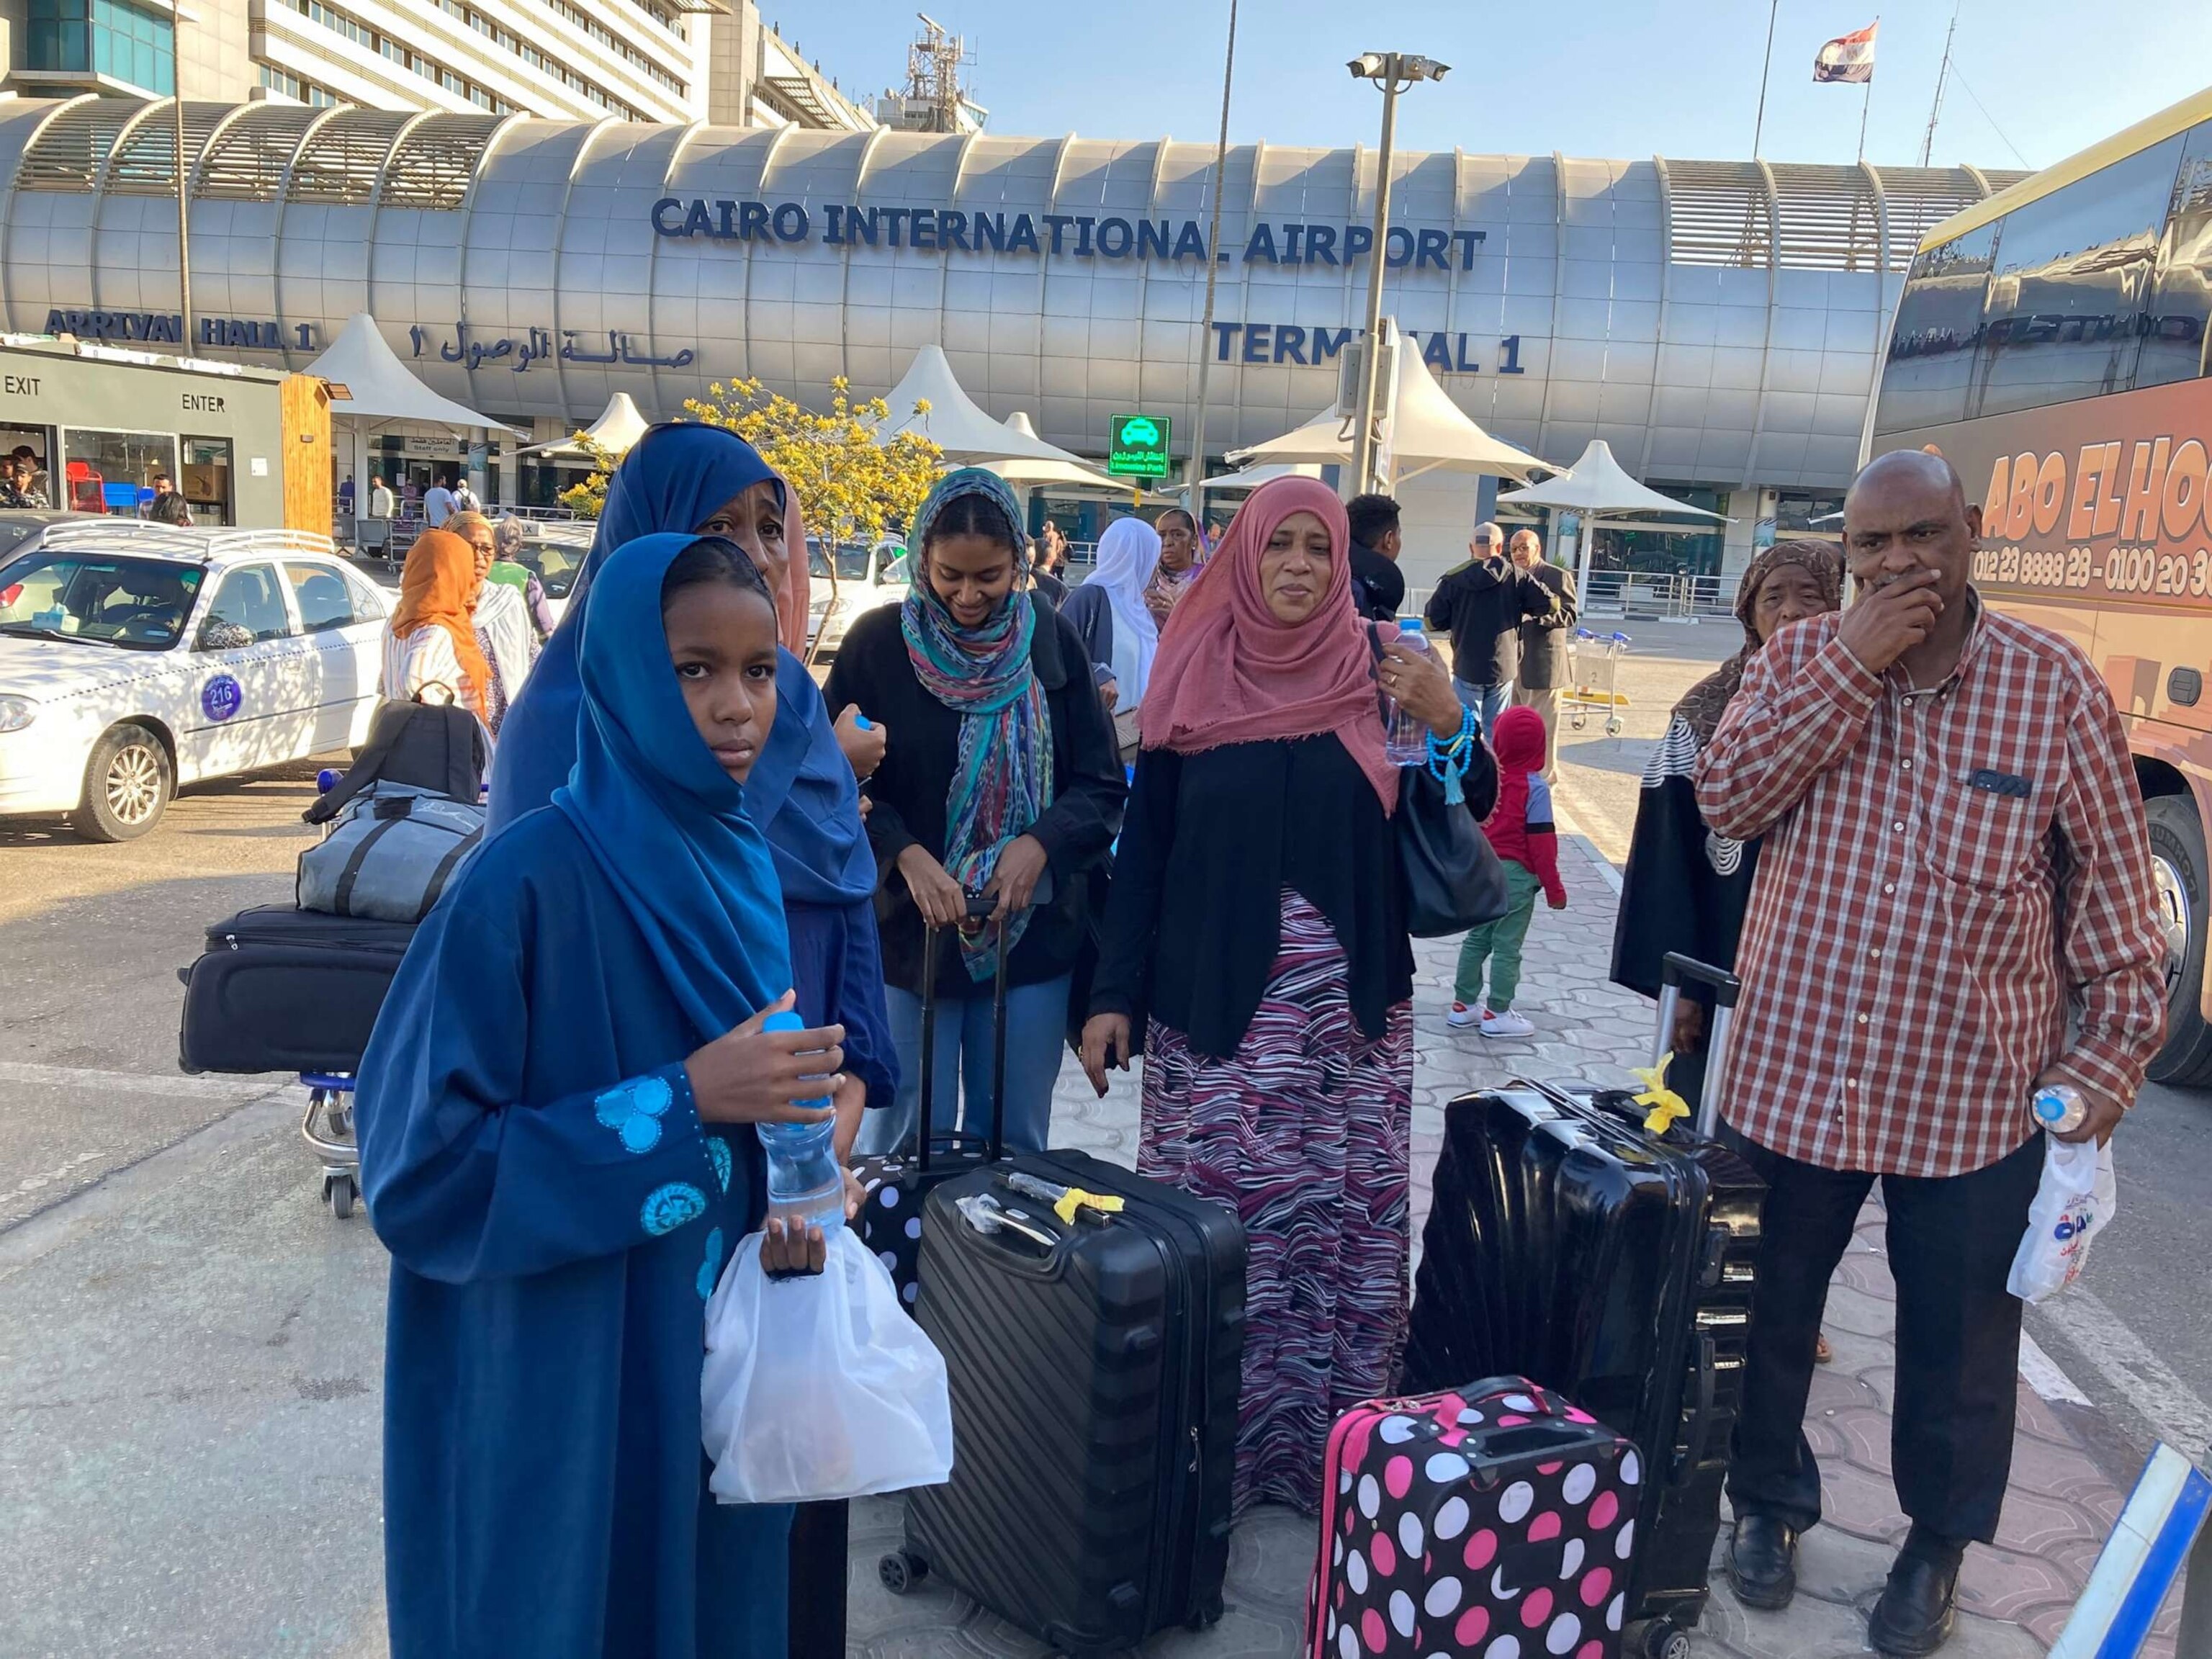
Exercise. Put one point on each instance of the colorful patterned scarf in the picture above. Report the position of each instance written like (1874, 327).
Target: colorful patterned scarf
(1002, 781)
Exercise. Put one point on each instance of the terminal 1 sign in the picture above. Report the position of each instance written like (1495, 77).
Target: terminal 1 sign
(1137, 446)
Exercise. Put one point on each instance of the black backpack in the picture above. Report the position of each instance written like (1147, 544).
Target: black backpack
(439, 747)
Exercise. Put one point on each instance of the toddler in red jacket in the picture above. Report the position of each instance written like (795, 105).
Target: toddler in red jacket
(1520, 827)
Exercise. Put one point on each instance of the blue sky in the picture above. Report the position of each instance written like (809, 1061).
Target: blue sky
(1594, 77)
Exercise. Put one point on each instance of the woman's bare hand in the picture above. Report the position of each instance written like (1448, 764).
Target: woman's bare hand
(750, 1075)
(940, 899)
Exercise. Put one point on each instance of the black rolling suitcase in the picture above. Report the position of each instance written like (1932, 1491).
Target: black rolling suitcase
(1095, 1368)
(895, 1184)
(1569, 1244)
(286, 990)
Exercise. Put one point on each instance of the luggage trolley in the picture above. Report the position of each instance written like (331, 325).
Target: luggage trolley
(1581, 697)
(327, 1127)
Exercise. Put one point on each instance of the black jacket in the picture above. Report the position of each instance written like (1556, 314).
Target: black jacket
(908, 795)
(1481, 604)
(1378, 586)
(1544, 639)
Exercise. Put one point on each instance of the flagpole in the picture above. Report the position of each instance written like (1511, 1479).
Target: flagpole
(1759, 126)
(1935, 106)
(1865, 105)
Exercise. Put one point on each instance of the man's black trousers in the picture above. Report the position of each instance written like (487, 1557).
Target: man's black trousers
(1951, 1244)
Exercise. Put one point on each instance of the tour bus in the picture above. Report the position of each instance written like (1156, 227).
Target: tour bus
(2051, 343)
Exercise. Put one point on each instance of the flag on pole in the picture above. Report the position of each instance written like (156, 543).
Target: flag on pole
(1847, 57)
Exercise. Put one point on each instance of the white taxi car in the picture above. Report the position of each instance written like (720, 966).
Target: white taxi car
(864, 577)
(135, 658)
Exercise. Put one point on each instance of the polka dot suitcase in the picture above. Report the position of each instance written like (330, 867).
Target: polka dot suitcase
(897, 1183)
(1492, 1521)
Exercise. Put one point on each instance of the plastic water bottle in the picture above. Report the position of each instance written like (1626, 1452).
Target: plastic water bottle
(1407, 742)
(2060, 1107)
(803, 1181)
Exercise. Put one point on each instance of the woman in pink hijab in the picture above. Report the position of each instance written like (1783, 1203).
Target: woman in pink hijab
(1256, 938)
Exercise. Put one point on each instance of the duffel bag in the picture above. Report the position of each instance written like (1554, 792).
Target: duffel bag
(390, 855)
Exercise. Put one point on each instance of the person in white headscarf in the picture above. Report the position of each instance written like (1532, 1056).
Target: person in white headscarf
(1109, 610)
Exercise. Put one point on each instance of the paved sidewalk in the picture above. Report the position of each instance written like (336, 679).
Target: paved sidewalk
(2014, 1598)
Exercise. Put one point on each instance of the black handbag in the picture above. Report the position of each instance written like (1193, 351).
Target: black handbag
(1453, 878)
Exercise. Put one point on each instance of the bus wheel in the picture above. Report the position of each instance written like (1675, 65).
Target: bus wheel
(2179, 877)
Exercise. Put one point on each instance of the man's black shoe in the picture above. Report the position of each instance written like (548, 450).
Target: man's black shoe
(1918, 1606)
(1762, 1561)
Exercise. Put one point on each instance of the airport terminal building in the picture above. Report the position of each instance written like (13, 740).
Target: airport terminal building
(1717, 323)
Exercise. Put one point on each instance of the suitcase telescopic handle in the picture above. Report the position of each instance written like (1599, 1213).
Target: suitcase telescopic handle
(1676, 971)
(980, 906)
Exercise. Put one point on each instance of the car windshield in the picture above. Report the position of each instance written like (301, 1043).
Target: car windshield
(553, 564)
(852, 561)
(138, 605)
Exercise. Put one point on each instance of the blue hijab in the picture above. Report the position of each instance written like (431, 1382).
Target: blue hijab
(664, 821)
(672, 480)
(803, 786)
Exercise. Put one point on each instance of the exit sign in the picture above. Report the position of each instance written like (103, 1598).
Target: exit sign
(1137, 446)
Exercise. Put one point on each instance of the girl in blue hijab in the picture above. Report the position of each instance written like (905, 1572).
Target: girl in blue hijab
(555, 1115)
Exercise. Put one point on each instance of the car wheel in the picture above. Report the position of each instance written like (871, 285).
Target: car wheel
(2180, 879)
(127, 785)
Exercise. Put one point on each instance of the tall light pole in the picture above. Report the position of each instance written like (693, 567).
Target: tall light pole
(1195, 501)
(1393, 71)
(184, 228)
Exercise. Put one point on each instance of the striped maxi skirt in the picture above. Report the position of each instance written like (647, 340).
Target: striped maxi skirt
(1304, 1133)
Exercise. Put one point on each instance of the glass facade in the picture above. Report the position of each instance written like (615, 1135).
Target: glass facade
(102, 37)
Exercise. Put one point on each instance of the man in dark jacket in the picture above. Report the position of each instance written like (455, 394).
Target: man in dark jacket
(1378, 586)
(1482, 605)
(1544, 645)
(168, 506)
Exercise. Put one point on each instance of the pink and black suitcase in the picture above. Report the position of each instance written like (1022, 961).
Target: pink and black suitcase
(1488, 1521)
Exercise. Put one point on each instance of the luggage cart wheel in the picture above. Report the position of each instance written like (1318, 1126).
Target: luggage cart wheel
(1662, 1639)
(901, 1571)
(1613, 728)
(339, 1191)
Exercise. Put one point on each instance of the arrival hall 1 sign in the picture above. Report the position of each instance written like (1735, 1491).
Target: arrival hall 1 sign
(1137, 446)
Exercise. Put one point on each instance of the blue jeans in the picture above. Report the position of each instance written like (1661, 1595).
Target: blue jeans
(1488, 701)
(1037, 1037)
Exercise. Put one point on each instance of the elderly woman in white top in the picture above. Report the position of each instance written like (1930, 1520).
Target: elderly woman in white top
(1109, 611)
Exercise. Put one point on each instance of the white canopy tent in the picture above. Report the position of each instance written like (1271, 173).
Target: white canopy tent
(955, 424)
(619, 427)
(369, 384)
(1597, 484)
(1428, 431)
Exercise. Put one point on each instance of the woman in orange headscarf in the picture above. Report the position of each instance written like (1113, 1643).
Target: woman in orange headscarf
(430, 649)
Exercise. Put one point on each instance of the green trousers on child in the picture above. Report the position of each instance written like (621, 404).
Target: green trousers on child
(1498, 943)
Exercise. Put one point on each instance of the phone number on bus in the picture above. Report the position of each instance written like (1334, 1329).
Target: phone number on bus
(2124, 570)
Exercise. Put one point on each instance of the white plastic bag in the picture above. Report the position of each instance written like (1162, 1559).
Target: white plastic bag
(819, 1387)
(2076, 1198)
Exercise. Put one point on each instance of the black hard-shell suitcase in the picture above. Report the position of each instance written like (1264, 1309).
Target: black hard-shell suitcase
(895, 1184)
(1567, 1243)
(287, 990)
(1094, 1390)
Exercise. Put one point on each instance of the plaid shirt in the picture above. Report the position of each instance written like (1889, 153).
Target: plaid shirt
(1946, 874)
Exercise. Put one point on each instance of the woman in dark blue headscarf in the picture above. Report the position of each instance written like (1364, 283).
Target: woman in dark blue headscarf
(555, 1118)
(683, 477)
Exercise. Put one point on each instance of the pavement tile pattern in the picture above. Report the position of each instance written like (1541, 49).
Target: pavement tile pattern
(2014, 1599)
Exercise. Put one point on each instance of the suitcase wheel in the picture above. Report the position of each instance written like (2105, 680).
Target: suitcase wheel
(1661, 1638)
(339, 1191)
(1208, 1616)
(901, 1571)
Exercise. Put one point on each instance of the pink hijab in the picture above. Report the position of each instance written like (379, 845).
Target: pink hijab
(791, 604)
(1228, 671)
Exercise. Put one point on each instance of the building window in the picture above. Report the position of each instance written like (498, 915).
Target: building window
(292, 86)
(105, 37)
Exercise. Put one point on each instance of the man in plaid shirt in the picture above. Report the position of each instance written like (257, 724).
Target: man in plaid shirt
(1954, 863)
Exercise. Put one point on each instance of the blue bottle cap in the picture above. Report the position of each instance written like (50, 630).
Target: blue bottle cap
(783, 1019)
(864, 722)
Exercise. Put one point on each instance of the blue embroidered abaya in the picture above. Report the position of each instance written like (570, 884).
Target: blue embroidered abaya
(557, 1211)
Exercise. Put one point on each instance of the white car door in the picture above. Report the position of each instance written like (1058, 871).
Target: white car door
(255, 680)
(345, 631)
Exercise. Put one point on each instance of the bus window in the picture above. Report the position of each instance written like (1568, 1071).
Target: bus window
(2071, 286)
(2181, 301)
(1932, 352)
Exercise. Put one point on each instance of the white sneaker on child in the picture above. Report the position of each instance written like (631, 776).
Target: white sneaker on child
(1461, 1015)
(1506, 1025)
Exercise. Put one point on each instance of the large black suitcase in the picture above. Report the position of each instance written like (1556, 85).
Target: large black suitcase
(1567, 1243)
(1094, 1387)
(286, 990)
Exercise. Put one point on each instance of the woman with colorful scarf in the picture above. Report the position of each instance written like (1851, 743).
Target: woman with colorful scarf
(1001, 779)
(1255, 940)
(431, 653)
(1685, 888)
